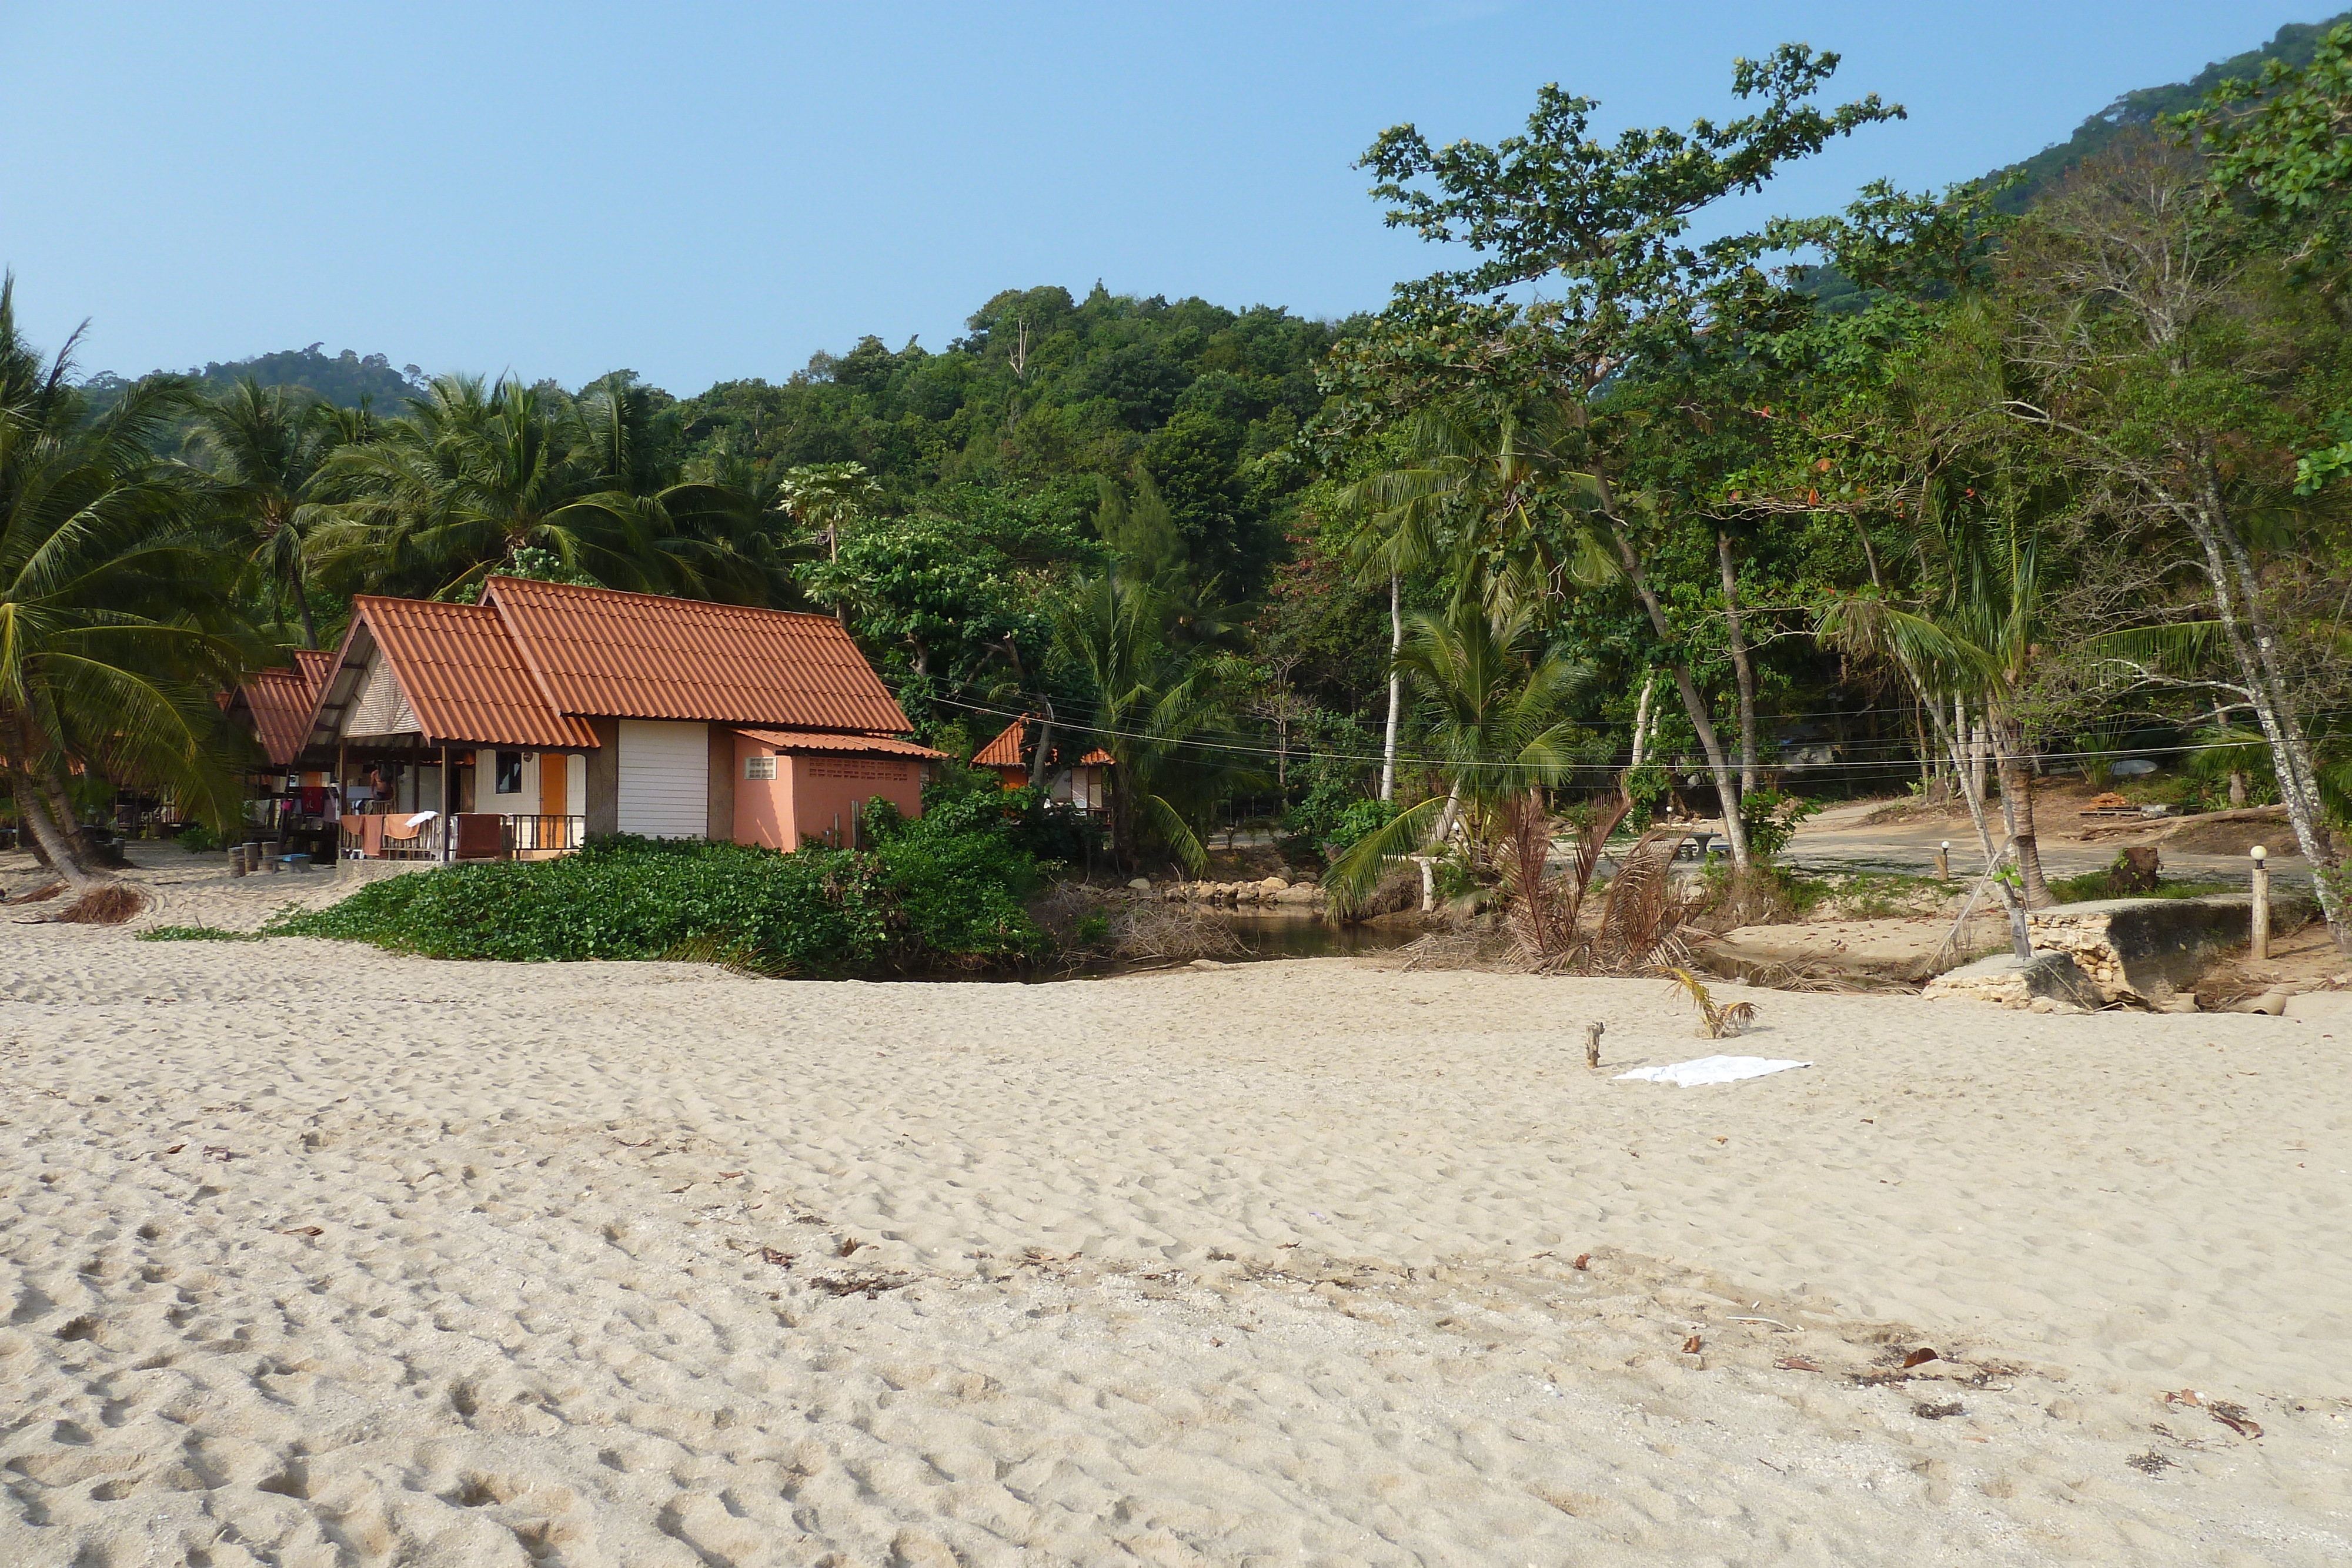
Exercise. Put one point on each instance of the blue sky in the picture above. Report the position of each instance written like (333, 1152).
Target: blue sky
(700, 191)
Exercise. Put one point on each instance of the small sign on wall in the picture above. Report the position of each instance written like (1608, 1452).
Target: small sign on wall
(759, 767)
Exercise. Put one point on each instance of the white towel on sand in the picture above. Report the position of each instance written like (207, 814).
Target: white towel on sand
(1711, 1069)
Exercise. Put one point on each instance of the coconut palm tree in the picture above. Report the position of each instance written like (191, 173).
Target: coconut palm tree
(1475, 494)
(115, 617)
(1492, 711)
(476, 471)
(1153, 705)
(267, 447)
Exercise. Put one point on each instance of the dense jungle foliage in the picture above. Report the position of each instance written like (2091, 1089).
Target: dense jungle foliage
(1977, 484)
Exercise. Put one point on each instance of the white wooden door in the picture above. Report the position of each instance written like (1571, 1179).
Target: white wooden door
(664, 779)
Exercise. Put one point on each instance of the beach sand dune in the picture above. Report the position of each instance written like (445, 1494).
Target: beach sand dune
(309, 1254)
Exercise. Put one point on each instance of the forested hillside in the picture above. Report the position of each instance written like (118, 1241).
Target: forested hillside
(2140, 109)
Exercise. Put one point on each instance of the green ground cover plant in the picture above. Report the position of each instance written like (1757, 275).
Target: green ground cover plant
(941, 892)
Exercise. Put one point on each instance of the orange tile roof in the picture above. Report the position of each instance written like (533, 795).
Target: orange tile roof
(596, 651)
(280, 703)
(845, 745)
(314, 664)
(464, 676)
(1004, 751)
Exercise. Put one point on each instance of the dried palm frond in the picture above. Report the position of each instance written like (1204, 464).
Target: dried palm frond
(110, 904)
(1640, 917)
(1721, 1021)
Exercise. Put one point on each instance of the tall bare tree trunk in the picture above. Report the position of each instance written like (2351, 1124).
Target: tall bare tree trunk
(1742, 672)
(2253, 648)
(1396, 685)
(1642, 725)
(1735, 827)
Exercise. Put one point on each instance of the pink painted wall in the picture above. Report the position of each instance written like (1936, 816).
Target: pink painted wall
(827, 790)
(764, 810)
(801, 804)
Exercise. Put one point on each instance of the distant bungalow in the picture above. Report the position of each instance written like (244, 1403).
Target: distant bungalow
(1085, 783)
(516, 726)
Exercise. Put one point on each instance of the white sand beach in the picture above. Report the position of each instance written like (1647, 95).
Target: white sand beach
(311, 1255)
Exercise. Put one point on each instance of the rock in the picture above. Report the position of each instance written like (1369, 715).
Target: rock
(2139, 949)
(2052, 976)
(1273, 884)
(1142, 885)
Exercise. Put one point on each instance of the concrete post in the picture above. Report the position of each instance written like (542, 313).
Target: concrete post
(2259, 947)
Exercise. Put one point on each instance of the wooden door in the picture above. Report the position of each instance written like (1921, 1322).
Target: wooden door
(553, 768)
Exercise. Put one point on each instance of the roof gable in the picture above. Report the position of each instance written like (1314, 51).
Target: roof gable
(463, 676)
(602, 653)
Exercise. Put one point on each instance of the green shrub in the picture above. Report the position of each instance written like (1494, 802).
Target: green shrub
(196, 934)
(923, 897)
(197, 838)
(1771, 819)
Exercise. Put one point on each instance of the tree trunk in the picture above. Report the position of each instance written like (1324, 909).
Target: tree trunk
(2274, 708)
(1040, 759)
(1741, 670)
(1948, 738)
(1734, 829)
(2017, 809)
(2020, 939)
(302, 602)
(1642, 725)
(1396, 688)
(38, 798)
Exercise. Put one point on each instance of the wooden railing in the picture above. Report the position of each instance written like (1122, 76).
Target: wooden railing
(467, 836)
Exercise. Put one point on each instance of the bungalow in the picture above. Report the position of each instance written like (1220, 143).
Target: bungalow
(1085, 783)
(547, 712)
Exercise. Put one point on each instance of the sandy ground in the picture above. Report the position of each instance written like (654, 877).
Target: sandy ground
(313, 1255)
(1843, 838)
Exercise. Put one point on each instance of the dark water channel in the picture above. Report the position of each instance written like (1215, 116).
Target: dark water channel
(1311, 937)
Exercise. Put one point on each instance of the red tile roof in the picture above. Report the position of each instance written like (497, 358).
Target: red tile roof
(843, 745)
(596, 651)
(464, 676)
(280, 703)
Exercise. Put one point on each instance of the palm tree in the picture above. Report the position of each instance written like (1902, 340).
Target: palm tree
(115, 627)
(1488, 479)
(1153, 705)
(477, 472)
(267, 446)
(1491, 710)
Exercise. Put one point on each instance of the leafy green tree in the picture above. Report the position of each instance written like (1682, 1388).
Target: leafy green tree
(476, 471)
(1585, 269)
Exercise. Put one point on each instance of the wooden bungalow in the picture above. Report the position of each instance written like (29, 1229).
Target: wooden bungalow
(546, 713)
(1085, 783)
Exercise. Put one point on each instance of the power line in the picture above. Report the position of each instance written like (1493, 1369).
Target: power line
(1374, 758)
